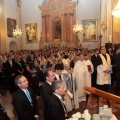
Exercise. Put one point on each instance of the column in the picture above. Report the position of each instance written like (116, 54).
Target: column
(50, 29)
(74, 22)
(68, 27)
(3, 48)
(109, 20)
(47, 28)
(103, 19)
(65, 26)
(71, 27)
(43, 29)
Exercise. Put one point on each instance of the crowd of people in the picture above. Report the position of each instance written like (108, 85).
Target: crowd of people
(59, 76)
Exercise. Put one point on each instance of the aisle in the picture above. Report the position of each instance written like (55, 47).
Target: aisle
(5, 101)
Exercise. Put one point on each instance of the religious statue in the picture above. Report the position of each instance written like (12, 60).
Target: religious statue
(58, 30)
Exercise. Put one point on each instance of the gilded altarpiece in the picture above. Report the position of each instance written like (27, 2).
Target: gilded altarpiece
(58, 18)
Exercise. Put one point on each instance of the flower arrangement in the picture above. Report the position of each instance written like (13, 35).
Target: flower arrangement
(79, 116)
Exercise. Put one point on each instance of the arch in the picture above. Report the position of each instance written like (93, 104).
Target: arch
(13, 46)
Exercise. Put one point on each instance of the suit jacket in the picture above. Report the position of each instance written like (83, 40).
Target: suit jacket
(23, 107)
(10, 69)
(46, 94)
(117, 63)
(56, 110)
(94, 61)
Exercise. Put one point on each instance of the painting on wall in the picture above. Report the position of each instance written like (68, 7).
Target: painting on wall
(11, 25)
(31, 33)
(89, 30)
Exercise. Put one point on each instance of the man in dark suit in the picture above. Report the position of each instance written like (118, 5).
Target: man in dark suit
(94, 60)
(58, 72)
(10, 67)
(117, 63)
(57, 109)
(24, 100)
(47, 91)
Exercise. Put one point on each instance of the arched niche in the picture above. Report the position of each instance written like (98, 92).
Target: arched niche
(13, 46)
(57, 28)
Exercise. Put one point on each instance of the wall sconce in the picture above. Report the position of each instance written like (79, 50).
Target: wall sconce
(103, 25)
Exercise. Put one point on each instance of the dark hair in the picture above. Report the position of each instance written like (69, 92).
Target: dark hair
(46, 74)
(9, 55)
(101, 47)
(49, 64)
(58, 67)
(96, 49)
(56, 84)
(66, 56)
(17, 79)
(85, 54)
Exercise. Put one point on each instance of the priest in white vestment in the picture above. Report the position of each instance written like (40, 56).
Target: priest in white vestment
(66, 77)
(81, 78)
(104, 70)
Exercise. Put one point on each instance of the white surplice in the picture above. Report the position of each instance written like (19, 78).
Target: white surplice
(102, 77)
(81, 78)
(66, 77)
(87, 73)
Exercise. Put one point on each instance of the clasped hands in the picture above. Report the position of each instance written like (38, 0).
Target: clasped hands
(106, 71)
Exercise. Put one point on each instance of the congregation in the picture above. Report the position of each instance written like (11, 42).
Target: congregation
(59, 76)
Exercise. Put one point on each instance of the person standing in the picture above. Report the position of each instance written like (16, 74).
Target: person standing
(58, 71)
(10, 67)
(104, 70)
(57, 109)
(94, 60)
(66, 77)
(24, 100)
(47, 91)
(36, 76)
(81, 78)
(117, 64)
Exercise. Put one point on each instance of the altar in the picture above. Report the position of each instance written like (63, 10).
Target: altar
(58, 18)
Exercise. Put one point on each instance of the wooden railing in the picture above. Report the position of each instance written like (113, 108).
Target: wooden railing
(103, 94)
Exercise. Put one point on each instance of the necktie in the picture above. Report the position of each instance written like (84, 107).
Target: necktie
(28, 96)
(60, 77)
(11, 63)
(63, 106)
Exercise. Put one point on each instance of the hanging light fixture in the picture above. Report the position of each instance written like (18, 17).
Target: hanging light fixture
(77, 27)
(17, 32)
(116, 11)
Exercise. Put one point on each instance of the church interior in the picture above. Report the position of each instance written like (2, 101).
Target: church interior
(35, 25)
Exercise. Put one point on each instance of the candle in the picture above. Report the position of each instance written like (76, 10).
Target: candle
(110, 40)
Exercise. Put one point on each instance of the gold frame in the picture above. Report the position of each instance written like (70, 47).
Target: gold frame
(31, 33)
(90, 30)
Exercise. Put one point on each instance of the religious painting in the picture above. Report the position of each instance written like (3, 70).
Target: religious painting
(57, 28)
(11, 25)
(31, 33)
(89, 30)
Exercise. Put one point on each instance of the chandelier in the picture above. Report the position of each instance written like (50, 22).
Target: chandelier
(17, 32)
(77, 27)
(116, 11)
